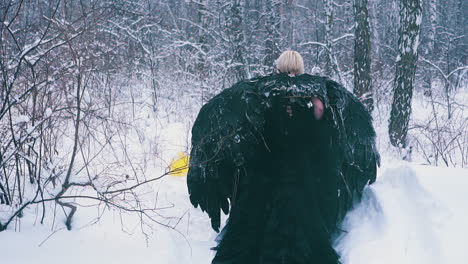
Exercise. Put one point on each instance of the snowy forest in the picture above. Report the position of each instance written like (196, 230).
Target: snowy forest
(98, 96)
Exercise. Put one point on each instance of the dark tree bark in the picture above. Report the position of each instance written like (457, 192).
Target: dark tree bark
(238, 63)
(328, 35)
(428, 51)
(201, 66)
(408, 42)
(272, 26)
(362, 55)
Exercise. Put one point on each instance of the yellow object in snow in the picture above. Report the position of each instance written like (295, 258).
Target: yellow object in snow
(179, 166)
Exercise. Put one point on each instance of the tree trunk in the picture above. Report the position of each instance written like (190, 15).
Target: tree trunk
(328, 33)
(331, 64)
(201, 64)
(408, 42)
(272, 25)
(235, 29)
(430, 46)
(362, 58)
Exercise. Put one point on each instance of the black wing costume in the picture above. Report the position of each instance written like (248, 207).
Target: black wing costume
(285, 178)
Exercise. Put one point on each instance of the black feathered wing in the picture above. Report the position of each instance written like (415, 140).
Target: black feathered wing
(357, 157)
(347, 124)
(225, 138)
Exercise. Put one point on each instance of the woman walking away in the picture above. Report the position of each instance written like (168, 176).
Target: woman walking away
(284, 155)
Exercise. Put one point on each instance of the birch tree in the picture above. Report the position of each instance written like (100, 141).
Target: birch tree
(408, 42)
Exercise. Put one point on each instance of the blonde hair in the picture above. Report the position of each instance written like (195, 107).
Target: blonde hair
(290, 62)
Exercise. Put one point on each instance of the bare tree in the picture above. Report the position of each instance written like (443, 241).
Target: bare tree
(328, 36)
(237, 63)
(54, 121)
(272, 41)
(408, 43)
(362, 55)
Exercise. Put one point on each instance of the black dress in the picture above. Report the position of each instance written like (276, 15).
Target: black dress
(286, 178)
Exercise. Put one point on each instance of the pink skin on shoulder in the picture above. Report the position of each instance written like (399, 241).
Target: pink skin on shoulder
(319, 108)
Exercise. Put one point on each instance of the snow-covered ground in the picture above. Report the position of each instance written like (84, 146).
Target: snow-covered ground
(412, 214)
